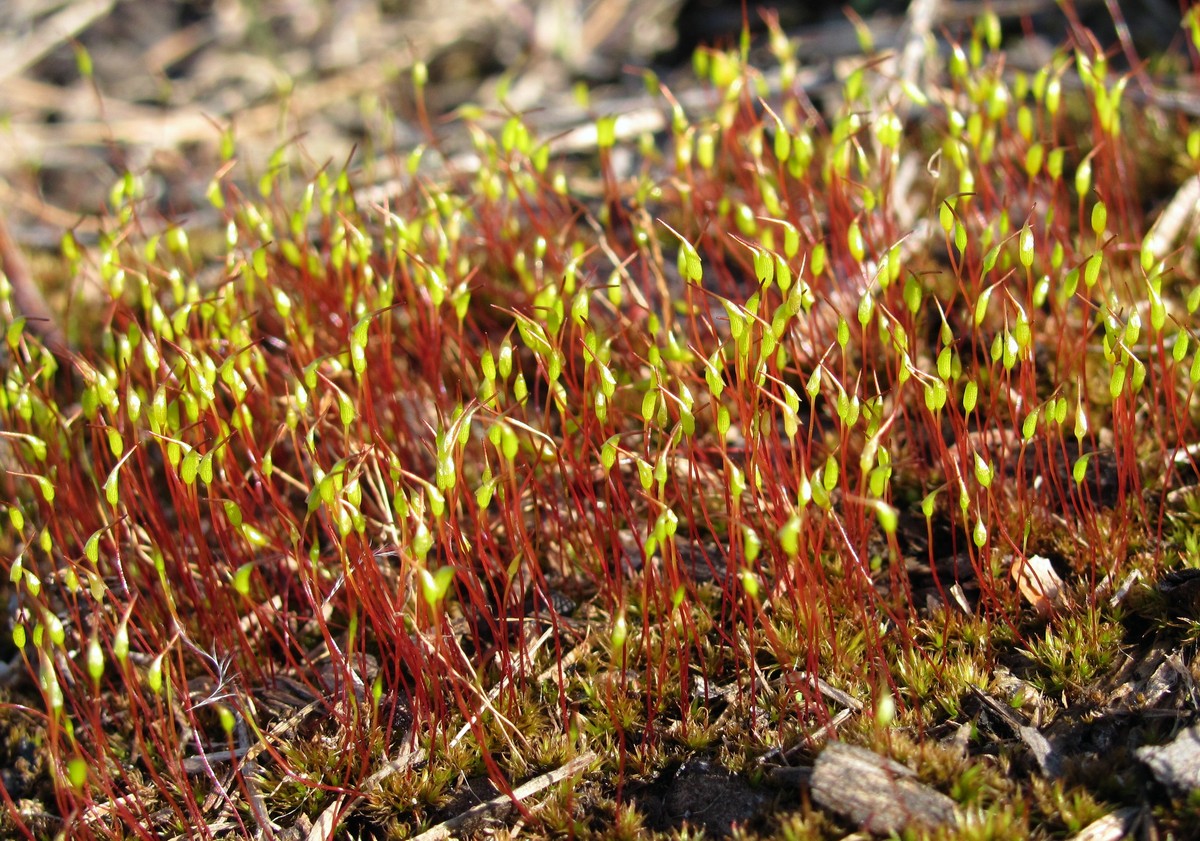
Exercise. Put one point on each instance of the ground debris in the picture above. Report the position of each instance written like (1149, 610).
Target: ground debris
(702, 795)
(1176, 764)
(993, 713)
(1114, 827)
(878, 794)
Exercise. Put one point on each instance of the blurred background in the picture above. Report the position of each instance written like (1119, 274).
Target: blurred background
(92, 88)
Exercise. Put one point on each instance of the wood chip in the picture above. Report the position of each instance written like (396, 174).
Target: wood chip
(878, 794)
(1114, 827)
(1048, 758)
(1176, 764)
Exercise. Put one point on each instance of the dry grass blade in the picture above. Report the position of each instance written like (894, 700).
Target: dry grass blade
(500, 805)
(1180, 214)
(326, 824)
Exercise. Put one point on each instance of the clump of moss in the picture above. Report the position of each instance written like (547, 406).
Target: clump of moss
(805, 421)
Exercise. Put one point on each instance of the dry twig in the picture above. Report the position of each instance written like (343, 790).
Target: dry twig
(27, 298)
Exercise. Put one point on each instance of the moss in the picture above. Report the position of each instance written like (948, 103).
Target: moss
(701, 466)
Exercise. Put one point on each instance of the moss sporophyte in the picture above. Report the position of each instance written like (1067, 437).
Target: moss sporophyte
(788, 414)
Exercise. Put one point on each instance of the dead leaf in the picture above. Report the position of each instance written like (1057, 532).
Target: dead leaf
(1038, 582)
